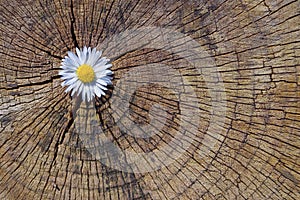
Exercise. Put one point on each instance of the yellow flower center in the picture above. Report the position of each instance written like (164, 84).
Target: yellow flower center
(85, 73)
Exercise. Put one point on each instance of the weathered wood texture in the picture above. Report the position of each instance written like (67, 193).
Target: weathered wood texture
(256, 47)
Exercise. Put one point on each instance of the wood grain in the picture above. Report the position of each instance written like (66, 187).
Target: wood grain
(255, 46)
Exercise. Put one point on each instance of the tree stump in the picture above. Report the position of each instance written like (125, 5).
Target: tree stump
(223, 75)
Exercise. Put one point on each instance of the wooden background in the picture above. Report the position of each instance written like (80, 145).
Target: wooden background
(256, 47)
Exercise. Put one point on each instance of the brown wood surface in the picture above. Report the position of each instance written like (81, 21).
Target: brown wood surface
(256, 47)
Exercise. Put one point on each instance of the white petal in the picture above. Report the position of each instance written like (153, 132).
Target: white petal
(98, 91)
(92, 58)
(101, 87)
(83, 94)
(68, 61)
(107, 72)
(69, 67)
(76, 86)
(102, 82)
(107, 80)
(78, 52)
(80, 56)
(94, 52)
(102, 92)
(80, 88)
(99, 75)
(86, 90)
(74, 58)
(99, 53)
(88, 55)
(68, 70)
(69, 88)
(67, 75)
(83, 55)
(99, 64)
(71, 81)
(102, 68)
(84, 50)
(90, 92)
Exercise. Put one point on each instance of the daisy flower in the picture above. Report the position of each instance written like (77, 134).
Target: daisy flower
(86, 73)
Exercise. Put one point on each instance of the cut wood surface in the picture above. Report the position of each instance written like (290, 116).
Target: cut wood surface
(235, 103)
